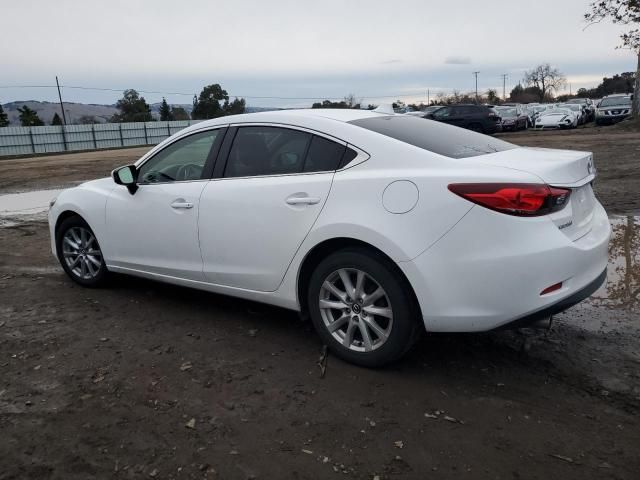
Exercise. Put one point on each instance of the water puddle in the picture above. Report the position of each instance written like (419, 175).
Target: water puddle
(18, 205)
(622, 290)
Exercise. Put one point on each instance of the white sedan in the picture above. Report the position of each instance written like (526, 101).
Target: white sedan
(378, 226)
(555, 119)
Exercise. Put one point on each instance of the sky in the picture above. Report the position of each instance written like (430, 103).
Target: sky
(378, 50)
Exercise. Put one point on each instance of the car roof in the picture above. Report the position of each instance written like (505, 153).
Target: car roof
(285, 116)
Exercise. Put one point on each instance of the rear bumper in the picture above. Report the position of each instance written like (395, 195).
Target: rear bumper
(561, 306)
(490, 269)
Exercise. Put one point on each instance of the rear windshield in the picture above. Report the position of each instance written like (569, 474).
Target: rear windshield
(434, 136)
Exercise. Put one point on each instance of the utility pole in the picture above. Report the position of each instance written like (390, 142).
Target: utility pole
(64, 117)
(570, 94)
(504, 86)
(428, 98)
(476, 75)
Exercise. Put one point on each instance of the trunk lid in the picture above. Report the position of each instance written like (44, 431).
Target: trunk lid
(562, 168)
(558, 168)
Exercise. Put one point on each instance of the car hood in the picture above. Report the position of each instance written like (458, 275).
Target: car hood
(100, 183)
(551, 119)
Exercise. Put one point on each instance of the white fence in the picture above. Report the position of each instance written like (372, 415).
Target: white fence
(58, 138)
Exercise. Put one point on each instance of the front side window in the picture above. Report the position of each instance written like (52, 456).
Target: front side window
(181, 161)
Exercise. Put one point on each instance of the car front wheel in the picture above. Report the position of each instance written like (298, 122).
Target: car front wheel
(79, 253)
(362, 308)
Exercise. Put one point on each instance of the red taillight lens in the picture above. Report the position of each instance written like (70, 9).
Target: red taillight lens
(521, 199)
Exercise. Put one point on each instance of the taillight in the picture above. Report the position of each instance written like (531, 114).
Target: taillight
(521, 199)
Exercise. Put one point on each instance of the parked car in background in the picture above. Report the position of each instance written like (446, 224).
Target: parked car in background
(377, 226)
(558, 118)
(478, 118)
(613, 108)
(423, 113)
(588, 104)
(513, 118)
(535, 111)
(578, 109)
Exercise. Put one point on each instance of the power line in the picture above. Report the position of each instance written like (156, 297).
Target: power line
(266, 97)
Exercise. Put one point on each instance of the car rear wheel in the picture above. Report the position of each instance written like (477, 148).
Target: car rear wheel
(79, 253)
(362, 308)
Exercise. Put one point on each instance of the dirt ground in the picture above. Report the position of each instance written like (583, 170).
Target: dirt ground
(144, 380)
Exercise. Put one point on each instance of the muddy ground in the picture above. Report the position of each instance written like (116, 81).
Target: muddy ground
(144, 380)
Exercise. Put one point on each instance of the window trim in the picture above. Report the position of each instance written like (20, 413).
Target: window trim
(210, 162)
(223, 156)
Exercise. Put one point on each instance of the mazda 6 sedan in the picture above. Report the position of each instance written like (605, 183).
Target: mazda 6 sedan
(376, 226)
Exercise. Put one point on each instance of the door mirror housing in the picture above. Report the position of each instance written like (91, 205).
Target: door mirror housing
(127, 176)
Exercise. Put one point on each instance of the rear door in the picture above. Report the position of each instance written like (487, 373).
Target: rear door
(256, 213)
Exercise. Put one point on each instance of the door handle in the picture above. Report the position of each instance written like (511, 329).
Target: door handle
(185, 205)
(302, 200)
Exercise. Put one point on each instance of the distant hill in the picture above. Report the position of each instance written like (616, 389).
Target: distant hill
(46, 110)
(74, 111)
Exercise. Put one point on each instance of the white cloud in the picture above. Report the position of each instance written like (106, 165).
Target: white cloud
(457, 60)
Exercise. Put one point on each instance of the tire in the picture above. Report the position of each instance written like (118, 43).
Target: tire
(391, 321)
(79, 253)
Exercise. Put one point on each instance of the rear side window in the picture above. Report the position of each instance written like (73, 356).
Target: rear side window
(263, 150)
(324, 155)
(267, 151)
(434, 136)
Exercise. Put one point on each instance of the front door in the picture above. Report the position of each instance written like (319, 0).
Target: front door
(155, 230)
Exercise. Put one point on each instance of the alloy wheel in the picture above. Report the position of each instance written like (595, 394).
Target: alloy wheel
(356, 310)
(81, 253)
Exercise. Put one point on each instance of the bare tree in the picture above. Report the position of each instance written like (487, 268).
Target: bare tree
(545, 78)
(351, 101)
(623, 12)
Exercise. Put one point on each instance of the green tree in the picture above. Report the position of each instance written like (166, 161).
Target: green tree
(4, 120)
(179, 113)
(133, 108)
(492, 97)
(29, 118)
(56, 120)
(207, 105)
(235, 107)
(545, 79)
(165, 111)
(623, 12)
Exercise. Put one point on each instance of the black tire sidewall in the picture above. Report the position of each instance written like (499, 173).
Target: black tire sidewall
(71, 222)
(405, 322)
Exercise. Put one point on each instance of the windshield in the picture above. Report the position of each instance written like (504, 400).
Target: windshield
(578, 100)
(611, 101)
(434, 136)
(573, 107)
(508, 112)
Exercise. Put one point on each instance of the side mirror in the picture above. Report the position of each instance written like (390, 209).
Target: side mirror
(127, 176)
